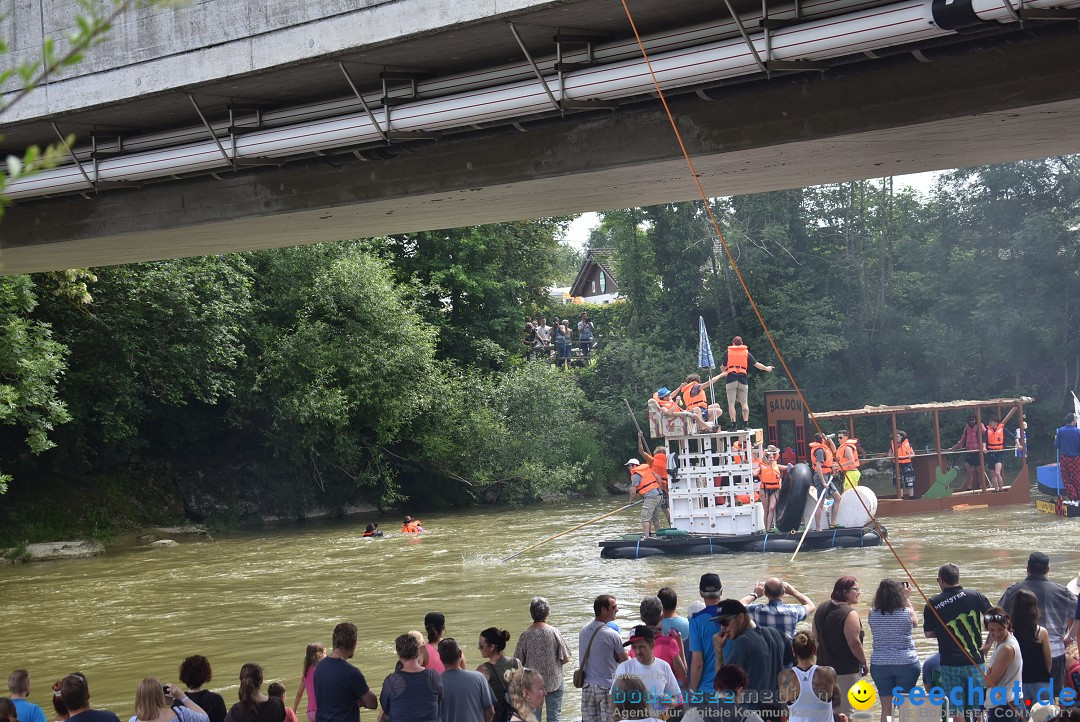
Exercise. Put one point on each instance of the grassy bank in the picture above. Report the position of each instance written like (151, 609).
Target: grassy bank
(98, 507)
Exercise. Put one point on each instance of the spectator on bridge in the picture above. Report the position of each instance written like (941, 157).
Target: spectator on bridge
(586, 330)
(563, 342)
(543, 338)
(529, 342)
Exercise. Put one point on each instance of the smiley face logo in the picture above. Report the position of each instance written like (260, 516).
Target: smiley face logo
(862, 695)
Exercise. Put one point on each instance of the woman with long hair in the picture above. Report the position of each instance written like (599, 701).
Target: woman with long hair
(314, 654)
(435, 626)
(541, 647)
(150, 704)
(413, 693)
(893, 661)
(839, 634)
(525, 688)
(1034, 643)
(254, 705)
(492, 643)
(195, 672)
(809, 689)
(1006, 666)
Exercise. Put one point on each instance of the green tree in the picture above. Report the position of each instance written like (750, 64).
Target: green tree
(475, 282)
(155, 338)
(339, 382)
(31, 365)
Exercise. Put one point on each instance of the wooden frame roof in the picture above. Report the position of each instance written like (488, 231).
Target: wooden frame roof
(917, 408)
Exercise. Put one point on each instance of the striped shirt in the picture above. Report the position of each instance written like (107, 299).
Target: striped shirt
(893, 643)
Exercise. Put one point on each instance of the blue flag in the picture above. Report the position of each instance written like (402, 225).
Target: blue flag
(705, 357)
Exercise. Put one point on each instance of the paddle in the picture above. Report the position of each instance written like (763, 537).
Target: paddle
(810, 520)
(573, 528)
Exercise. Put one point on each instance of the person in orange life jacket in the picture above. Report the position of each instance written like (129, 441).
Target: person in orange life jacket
(970, 438)
(822, 455)
(692, 394)
(372, 530)
(768, 471)
(665, 404)
(411, 526)
(736, 362)
(994, 447)
(645, 483)
(847, 459)
(902, 452)
(657, 461)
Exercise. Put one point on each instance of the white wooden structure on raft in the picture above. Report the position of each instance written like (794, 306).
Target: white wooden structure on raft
(709, 472)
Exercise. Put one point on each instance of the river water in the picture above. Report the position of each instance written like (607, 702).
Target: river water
(262, 596)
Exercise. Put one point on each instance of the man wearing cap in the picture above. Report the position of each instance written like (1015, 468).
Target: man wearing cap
(655, 674)
(737, 361)
(1057, 606)
(702, 630)
(645, 483)
(760, 651)
(657, 461)
(600, 651)
(768, 471)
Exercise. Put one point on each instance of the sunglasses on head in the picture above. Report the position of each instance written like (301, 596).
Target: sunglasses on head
(999, 618)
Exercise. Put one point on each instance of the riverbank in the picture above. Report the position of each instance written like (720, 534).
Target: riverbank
(143, 505)
(115, 507)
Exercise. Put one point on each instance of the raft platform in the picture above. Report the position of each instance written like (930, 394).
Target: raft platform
(632, 546)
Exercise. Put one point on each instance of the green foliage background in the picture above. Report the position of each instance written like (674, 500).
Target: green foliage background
(390, 369)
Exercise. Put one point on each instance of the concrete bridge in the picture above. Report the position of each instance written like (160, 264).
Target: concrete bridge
(964, 87)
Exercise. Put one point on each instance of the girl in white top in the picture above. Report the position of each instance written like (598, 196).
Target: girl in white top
(811, 691)
(1006, 666)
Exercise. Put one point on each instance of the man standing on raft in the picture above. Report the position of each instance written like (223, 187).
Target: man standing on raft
(737, 360)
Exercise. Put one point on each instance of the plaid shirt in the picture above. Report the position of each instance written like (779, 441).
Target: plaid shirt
(781, 617)
(1057, 607)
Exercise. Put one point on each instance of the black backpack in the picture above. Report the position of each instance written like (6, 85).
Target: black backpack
(498, 688)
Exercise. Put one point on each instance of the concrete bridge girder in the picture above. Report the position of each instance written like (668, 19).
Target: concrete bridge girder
(1019, 100)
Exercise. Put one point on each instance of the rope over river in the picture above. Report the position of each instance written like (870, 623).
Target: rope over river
(262, 596)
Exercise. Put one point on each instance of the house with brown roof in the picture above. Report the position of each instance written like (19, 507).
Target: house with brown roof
(595, 282)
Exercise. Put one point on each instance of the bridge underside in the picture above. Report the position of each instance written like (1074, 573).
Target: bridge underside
(1014, 100)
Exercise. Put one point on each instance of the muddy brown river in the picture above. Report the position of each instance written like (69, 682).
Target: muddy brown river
(262, 596)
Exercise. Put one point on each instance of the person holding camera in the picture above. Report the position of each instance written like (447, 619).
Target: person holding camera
(893, 661)
(151, 704)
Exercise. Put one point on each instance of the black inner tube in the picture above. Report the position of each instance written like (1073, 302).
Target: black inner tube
(792, 501)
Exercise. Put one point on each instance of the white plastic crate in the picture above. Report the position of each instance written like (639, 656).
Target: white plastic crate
(701, 504)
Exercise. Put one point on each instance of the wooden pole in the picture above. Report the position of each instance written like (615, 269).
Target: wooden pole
(573, 528)
(982, 458)
(937, 439)
(896, 458)
(1023, 436)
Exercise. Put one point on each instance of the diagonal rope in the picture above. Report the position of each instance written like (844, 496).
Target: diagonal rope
(765, 327)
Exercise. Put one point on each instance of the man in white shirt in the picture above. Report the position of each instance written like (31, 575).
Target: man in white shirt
(655, 674)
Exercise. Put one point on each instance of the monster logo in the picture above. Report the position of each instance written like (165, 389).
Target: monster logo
(966, 628)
